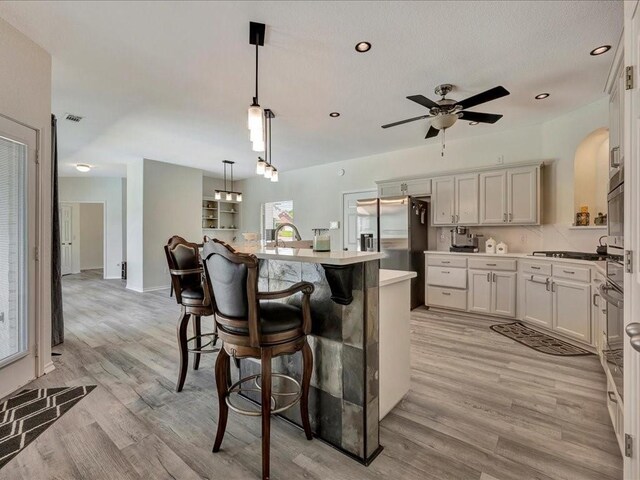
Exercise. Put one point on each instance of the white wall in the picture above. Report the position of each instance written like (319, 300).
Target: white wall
(107, 190)
(91, 236)
(135, 231)
(25, 78)
(317, 191)
(162, 200)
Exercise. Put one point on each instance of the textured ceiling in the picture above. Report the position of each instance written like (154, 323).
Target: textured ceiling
(171, 81)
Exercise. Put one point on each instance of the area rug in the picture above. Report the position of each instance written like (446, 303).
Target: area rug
(539, 341)
(29, 413)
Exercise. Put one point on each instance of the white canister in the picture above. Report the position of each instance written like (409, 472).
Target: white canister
(501, 248)
(490, 245)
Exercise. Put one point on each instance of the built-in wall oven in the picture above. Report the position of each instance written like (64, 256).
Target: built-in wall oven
(615, 217)
(613, 290)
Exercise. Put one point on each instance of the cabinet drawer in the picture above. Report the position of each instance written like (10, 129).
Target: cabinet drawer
(447, 298)
(536, 268)
(447, 277)
(491, 264)
(580, 274)
(447, 261)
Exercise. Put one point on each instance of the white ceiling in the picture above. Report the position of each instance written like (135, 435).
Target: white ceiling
(172, 81)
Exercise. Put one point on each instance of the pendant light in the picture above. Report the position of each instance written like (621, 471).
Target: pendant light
(228, 193)
(255, 114)
(260, 166)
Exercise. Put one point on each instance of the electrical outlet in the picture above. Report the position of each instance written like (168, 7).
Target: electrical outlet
(500, 159)
(334, 225)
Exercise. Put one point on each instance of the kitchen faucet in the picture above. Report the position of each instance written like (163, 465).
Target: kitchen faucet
(296, 233)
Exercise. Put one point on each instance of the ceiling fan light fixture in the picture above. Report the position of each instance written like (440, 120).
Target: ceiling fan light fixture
(542, 96)
(362, 47)
(600, 50)
(442, 122)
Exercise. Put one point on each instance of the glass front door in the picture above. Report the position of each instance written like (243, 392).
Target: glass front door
(17, 255)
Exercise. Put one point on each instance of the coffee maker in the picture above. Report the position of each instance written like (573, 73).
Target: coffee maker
(463, 241)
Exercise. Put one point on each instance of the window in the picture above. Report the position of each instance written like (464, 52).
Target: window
(275, 214)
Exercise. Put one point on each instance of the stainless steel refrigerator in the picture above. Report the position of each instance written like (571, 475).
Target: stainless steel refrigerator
(398, 227)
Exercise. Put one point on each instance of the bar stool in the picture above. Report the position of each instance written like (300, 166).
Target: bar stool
(250, 327)
(188, 282)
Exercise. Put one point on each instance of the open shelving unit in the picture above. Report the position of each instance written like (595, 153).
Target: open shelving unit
(220, 215)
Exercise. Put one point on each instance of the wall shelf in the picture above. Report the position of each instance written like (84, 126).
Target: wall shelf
(589, 227)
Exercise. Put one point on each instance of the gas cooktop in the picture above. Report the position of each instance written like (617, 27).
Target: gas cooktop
(592, 257)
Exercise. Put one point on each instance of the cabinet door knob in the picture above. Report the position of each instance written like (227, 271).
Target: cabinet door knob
(489, 277)
(504, 217)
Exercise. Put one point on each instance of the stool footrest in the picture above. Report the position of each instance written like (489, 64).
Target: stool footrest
(213, 339)
(237, 389)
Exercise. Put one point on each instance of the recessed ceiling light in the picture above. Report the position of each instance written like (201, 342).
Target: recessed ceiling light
(83, 167)
(600, 50)
(363, 47)
(334, 114)
(474, 123)
(541, 96)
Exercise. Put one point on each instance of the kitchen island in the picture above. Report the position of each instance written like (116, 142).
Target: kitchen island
(344, 396)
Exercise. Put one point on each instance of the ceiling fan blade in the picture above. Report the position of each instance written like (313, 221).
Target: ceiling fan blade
(480, 117)
(405, 121)
(433, 132)
(424, 101)
(491, 94)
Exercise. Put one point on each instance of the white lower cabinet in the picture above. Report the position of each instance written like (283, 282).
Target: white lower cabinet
(503, 298)
(538, 301)
(492, 292)
(572, 309)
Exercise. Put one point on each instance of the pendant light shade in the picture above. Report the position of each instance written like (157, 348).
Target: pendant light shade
(274, 175)
(260, 166)
(258, 145)
(218, 196)
(238, 197)
(268, 171)
(256, 135)
(229, 197)
(255, 118)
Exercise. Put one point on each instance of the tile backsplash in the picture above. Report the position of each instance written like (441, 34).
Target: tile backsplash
(526, 239)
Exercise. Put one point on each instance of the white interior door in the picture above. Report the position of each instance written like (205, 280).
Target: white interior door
(350, 217)
(631, 154)
(18, 214)
(66, 238)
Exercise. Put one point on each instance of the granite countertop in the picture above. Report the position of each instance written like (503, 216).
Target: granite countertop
(600, 265)
(389, 277)
(307, 255)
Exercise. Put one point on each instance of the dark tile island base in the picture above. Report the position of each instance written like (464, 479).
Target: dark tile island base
(344, 396)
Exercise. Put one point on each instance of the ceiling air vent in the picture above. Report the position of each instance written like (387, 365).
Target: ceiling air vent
(72, 118)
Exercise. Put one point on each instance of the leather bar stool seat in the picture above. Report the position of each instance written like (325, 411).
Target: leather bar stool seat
(193, 293)
(274, 318)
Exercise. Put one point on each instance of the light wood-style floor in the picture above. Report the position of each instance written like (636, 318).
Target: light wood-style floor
(480, 407)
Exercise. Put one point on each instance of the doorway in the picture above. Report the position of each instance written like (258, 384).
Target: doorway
(82, 237)
(350, 217)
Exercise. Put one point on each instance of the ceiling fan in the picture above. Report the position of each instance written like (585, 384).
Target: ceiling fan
(445, 112)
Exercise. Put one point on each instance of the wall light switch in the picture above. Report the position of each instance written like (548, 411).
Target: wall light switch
(500, 159)
(334, 225)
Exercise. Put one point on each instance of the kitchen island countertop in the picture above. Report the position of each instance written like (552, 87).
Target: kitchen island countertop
(307, 255)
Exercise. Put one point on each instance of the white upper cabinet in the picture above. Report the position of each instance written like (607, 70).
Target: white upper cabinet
(442, 200)
(510, 196)
(484, 196)
(522, 196)
(466, 199)
(493, 197)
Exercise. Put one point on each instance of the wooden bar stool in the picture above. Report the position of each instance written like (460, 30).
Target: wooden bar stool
(250, 327)
(188, 282)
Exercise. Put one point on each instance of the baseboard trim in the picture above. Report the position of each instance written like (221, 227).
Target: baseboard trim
(155, 289)
(49, 367)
